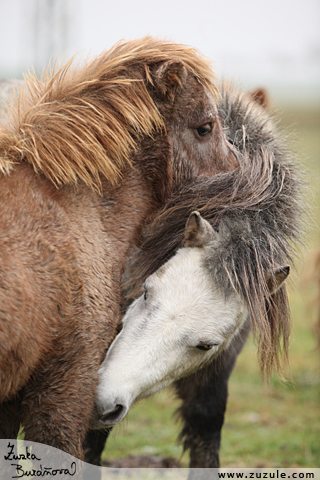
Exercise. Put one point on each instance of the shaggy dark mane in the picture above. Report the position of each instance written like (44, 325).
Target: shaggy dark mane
(80, 122)
(265, 195)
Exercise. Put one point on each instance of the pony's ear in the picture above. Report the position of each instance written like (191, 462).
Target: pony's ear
(198, 232)
(169, 78)
(275, 281)
(260, 96)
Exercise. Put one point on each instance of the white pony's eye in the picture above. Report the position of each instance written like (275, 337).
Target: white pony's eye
(145, 295)
(206, 346)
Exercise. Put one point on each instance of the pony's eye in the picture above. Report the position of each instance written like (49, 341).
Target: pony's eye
(204, 346)
(145, 295)
(204, 129)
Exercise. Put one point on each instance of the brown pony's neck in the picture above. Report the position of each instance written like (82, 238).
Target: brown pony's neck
(125, 208)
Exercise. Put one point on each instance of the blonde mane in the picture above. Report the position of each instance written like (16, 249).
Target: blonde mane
(78, 123)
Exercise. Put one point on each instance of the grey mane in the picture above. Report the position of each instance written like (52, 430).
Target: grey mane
(221, 254)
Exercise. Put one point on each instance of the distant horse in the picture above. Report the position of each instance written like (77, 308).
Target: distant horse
(88, 156)
(189, 313)
(265, 191)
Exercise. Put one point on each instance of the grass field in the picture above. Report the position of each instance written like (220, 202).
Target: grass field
(272, 425)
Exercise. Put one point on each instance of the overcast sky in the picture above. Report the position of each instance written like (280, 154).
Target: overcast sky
(275, 43)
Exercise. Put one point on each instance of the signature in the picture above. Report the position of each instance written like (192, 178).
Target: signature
(44, 471)
(36, 472)
(12, 456)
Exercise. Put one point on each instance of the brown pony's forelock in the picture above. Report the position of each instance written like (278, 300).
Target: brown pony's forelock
(262, 197)
(77, 123)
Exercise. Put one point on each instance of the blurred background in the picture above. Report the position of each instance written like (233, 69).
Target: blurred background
(273, 44)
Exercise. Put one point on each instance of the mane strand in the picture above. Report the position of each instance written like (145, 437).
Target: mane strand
(78, 123)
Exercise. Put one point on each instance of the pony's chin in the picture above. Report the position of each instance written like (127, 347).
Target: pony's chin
(95, 423)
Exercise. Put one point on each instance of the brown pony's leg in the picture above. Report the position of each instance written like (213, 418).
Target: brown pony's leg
(10, 416)
(59, 401)
(204, 396)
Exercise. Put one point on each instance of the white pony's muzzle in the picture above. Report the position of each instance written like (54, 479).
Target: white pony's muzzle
(109, 413)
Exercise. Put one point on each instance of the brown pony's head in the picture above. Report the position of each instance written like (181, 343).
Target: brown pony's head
(81, 123)
(187, 99)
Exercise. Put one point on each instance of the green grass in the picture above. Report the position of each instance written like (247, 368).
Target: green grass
(148, 430)
(272, 425)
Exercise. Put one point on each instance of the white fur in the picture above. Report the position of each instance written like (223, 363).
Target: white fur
(158, 342)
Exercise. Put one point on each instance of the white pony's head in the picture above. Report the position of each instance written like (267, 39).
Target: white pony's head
(181, 321)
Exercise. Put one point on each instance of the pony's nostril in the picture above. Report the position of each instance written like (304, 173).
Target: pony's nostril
(113, 415)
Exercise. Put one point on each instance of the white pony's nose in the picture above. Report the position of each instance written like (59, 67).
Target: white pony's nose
(112, 413)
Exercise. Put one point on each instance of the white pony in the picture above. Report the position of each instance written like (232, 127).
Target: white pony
(183, 319)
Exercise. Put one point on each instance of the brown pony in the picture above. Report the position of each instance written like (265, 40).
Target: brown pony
(87, 157)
